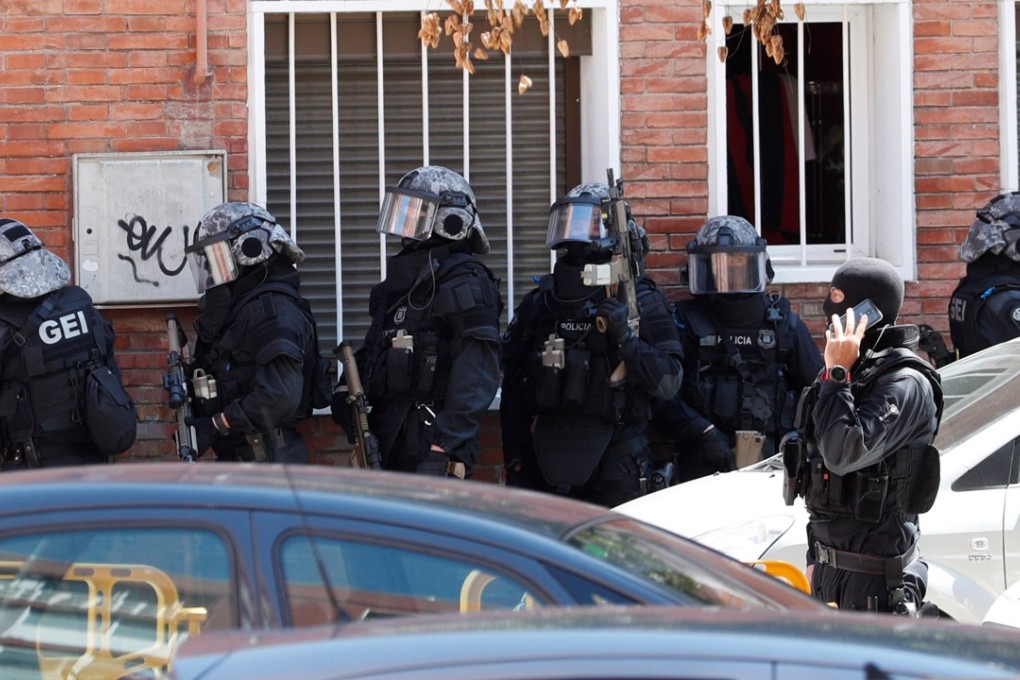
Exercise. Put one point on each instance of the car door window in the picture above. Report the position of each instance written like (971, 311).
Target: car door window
(369, 579)
(119, 597)
(996, 471)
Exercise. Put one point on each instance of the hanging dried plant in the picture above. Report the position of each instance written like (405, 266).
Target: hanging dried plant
(503, 23)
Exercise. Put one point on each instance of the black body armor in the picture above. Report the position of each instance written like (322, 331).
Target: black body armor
(49, 348)
(904, 482)
(740, 382)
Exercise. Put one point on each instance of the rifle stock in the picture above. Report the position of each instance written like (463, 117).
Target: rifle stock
(366, 449)
(624, 268)
(176, 384)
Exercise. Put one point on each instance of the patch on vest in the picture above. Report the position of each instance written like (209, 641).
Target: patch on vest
(766, 338)
(573, 329)
(400, 315)
(1015, 315)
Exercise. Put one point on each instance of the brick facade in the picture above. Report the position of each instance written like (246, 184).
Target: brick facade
(87, 76)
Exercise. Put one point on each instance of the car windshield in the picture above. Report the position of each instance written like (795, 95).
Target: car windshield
(978, 391)
(704, 578)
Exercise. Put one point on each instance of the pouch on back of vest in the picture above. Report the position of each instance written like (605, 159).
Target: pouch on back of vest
(109, 412)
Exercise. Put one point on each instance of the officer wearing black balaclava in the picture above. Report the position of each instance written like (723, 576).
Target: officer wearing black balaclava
(747, 355)
(984, 310)
(869, 467)
(256, 337)
(568, 427)
(430, 360)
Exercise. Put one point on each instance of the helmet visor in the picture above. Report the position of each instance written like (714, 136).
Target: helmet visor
(212, 262)
(570, 220)
(726, 271)
(407, 213)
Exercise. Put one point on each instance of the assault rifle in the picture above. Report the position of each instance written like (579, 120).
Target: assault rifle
(176, 384)
(621, 274)
(932, 344)
(366, 448)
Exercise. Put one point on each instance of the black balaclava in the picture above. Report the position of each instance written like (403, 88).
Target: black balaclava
(864, 278)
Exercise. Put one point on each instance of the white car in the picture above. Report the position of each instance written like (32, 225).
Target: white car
(970, 538)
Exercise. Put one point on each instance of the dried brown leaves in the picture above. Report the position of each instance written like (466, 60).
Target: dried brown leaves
(503, 22)
(762, 18)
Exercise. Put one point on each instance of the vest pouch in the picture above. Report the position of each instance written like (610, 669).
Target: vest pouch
(16, 421)
(399, 370)
(109, 412)
(924, 483)
(321, 391)
(817, 495)
(871, 490)
(548, 384)
(726, 401)
(428, 357)
(575, 379)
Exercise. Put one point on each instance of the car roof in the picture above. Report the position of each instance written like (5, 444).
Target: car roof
(431, 645)
(292, 487)
(979, 389)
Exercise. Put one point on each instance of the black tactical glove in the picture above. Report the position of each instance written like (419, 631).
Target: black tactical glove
(715, 450)
(614, 313)
(340, 411)
(435, 464)
(205, 433)
(517, 475)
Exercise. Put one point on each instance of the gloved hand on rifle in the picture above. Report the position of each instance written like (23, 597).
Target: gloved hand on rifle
(614, 313)
(340, 410)
(206, 431)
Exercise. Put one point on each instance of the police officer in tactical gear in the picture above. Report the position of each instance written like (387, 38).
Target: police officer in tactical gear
(747, 355)
(54, 347)
(256, 337)
(430, 360)
(568, 427)
(984, 310)
(864, 461)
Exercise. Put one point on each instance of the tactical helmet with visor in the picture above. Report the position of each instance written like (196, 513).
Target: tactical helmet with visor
(27, 269)
(235, 235)
(432, 201)
(727, 256)
(578, 218)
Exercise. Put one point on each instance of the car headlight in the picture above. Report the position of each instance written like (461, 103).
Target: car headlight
(748, 539)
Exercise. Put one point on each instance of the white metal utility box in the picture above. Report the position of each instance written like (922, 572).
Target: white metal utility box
(134, 213)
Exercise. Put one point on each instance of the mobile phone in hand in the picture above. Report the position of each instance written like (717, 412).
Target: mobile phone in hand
(864, 308)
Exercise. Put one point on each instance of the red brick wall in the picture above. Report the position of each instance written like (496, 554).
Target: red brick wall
(119, 75)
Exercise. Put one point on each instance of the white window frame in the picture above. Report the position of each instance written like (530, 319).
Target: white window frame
(1009, 156)
(600, 98)
(881, 145)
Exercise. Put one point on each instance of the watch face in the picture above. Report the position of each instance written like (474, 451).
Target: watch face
(837, 373)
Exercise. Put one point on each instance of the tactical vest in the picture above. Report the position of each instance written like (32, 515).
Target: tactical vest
(231, 359)
(741, 382)
(46, 358)
(966, 304)
(409, 349)
(907, 481)
(571, 361)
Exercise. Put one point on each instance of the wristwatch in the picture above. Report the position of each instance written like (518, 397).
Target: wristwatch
(839, 374)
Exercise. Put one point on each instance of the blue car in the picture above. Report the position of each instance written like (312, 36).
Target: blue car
(616, 643)
(110, 567)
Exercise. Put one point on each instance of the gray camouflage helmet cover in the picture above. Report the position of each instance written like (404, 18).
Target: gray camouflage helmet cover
(235, 235)
(996, 230)
(727, 256)
(433, 201)
(253, 222)
(27, 269)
